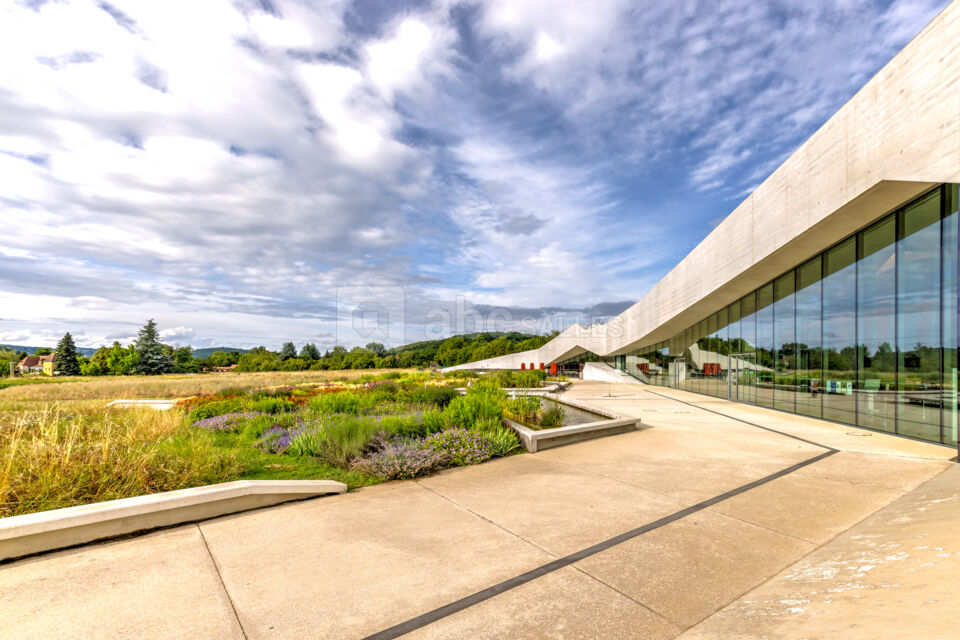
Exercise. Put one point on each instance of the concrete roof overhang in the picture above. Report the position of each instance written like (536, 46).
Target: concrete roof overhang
(871, 205)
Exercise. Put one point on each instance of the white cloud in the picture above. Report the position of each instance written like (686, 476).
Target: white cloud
(224, 168)
(410, 56)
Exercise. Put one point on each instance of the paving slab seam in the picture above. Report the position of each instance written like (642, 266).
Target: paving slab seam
(537, 546)
(815, 549)
(760, 526)
(485, 519)
(618, 480)
(429, 617)
(216, 567)
(625, 595)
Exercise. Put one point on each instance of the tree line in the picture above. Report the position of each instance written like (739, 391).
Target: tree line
(149, 356)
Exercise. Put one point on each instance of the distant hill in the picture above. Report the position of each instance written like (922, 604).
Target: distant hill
(200, 354)
(513, 337)
(466, 347)
(83, 351)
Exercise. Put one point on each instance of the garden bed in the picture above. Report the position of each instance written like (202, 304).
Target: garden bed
(567, 422)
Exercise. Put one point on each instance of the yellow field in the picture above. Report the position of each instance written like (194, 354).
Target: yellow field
(63, 454)
(169, 386)
(61, 446)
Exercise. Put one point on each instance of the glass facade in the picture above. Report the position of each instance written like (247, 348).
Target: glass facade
(864, 333)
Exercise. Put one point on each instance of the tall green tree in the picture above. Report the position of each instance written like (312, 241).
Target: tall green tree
(377, 348)
(152, 358)
(310, 352)
(288, 351)
(66, 362)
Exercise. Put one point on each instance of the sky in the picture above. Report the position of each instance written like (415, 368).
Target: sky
(261, 171)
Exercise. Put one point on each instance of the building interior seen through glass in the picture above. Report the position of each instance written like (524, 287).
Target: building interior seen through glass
(864, 333)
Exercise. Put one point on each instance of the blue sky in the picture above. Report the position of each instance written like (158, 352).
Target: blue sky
(253, 172)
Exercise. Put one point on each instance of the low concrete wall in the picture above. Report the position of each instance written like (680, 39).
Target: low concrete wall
(536, 440)
(48, 530)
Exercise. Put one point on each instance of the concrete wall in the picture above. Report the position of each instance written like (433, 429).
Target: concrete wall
(896, 138)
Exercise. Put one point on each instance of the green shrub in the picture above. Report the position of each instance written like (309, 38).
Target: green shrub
(307, 443)
(216, 408)
(384, 386)
(552, 416)
(432, 421)
(403, 426)
(488, 388)
(340, 402)
(344, 438)
(273, 405)
(438, 396)
(466, 410)
(523, 408)
(502, 439)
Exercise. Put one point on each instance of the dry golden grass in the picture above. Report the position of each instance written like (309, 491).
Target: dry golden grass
(65, 454)
(169, 386)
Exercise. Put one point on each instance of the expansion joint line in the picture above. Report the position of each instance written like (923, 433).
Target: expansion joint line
(430, 617)
(216, 567)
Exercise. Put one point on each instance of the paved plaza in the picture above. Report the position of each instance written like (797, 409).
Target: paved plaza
(716, 520)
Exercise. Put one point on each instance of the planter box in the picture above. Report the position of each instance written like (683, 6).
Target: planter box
(535, 440)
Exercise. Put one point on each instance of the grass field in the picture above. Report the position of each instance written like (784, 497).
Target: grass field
(76, 452)
(61, 446)
(46, 389)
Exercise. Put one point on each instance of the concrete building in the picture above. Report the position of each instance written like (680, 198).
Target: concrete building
(830, 291)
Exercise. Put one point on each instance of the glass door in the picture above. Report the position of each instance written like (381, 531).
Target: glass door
(743, 377)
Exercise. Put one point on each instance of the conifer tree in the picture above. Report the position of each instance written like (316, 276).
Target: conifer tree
(152, 358)
(288, 351)
(66, 363)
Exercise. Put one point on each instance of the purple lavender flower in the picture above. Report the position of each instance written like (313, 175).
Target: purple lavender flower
(228, 421)
(277, 438)
(464, 446)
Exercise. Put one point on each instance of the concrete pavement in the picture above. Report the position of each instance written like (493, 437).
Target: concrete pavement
(385, 557)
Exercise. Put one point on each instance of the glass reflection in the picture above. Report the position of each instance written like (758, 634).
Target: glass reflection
(864, 333)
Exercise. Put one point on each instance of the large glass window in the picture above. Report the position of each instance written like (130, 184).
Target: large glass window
(734, 348)
(710, 363)
(949, 267)
(840, 332)
(919, 392)
(865, 333)
(747, 386)
(876, 325)
(723, 350)
(765, 375)
(809, 374)
(784, 343)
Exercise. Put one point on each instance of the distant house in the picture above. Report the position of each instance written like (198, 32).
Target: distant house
(222, 369)
(38, 364)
